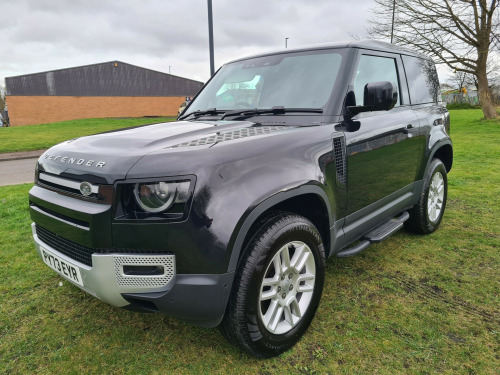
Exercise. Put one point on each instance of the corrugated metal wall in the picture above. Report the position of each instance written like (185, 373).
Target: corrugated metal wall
(113, 78)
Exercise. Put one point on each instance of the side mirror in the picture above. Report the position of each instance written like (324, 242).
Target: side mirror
(378, 96)
(383, 96)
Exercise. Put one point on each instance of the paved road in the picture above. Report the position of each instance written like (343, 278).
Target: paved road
(17, 171)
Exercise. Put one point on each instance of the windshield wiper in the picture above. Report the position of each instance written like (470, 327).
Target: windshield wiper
(278, 110)
(196, 114)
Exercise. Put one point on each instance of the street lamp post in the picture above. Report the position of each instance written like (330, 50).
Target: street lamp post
(393, 12)
(286, 42)
(169, 68)
(211, 37)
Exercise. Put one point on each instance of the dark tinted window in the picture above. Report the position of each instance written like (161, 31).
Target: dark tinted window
(422, 80)
(374, 69)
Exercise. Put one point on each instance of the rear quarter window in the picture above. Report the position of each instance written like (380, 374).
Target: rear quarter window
(422, 80)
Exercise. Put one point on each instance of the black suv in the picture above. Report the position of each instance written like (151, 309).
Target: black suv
(225, 217)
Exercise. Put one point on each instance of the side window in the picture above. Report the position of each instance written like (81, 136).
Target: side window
(375, 69)
(422, 80)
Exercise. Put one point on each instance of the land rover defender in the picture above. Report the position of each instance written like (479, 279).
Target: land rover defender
(226, 216)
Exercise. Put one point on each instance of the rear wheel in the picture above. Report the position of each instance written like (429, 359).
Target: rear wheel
(277, 287)
(427, 214)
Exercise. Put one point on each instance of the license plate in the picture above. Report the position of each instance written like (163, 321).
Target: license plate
(62, 267)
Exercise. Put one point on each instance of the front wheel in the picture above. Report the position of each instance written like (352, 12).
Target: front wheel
(277, 287)
(427, 214)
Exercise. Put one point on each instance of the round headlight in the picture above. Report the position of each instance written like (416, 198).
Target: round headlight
(155, 197)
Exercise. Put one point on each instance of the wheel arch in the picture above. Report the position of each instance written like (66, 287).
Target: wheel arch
(309, 201)
(444, 152)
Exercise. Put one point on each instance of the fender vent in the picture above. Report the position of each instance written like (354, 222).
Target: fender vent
(340, 166)
(230, 135)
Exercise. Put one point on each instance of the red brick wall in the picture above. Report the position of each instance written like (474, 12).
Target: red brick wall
(31, 110)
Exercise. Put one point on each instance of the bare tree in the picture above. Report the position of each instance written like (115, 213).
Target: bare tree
(448, 85)
(471, 81)
(2, 98)
(458, 33)
(460, 79)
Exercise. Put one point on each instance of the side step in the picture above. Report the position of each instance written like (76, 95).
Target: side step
(376, 235)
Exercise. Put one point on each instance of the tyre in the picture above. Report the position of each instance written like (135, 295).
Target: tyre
(277, 286)
(426, 215)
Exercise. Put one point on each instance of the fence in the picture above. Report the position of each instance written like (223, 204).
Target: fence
(460, 98)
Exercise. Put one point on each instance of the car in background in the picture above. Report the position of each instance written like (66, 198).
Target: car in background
(181, 108)
(4, 119)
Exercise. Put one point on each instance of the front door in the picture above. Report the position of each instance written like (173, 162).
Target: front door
(383, 150)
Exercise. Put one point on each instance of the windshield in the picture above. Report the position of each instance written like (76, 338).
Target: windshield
(298, 80)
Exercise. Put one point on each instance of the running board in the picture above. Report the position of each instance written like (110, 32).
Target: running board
(376, 235)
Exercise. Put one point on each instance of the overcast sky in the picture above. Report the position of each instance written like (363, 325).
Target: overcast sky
(41, 35)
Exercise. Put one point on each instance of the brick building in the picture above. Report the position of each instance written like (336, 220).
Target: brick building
(111, 89)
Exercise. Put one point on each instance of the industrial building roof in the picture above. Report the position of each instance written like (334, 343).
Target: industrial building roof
(113, 78)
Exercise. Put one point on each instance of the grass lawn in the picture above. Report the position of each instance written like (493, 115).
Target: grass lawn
(37, 137)
(409, 305)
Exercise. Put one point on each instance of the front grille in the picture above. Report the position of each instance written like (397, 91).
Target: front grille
(49, 212)
(63, 184)
(80, 253)
(101, 193)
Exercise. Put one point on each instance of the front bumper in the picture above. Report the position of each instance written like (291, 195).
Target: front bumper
(199, 299)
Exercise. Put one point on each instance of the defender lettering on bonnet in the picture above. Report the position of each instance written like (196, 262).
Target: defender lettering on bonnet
(71, 160)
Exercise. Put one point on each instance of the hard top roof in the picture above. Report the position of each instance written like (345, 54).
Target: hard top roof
(369, 44)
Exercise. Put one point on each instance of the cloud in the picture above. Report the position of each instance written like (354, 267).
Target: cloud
(40, 35)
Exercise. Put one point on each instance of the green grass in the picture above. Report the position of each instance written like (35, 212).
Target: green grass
(409, 305)
(37, 137)
(452, 106)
